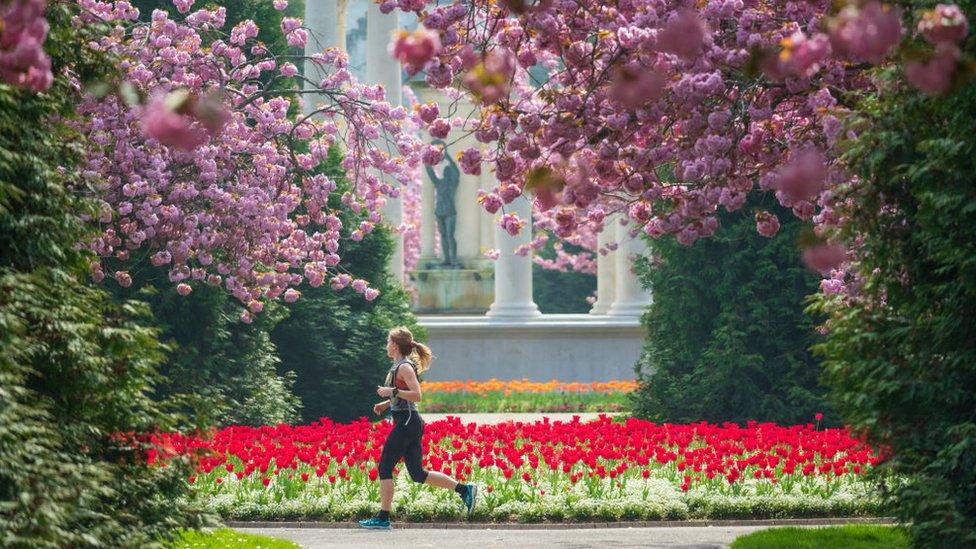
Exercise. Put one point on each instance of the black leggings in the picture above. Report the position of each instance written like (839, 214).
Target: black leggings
(404, 441)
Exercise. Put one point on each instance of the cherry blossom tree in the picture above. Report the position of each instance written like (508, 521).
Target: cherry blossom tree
(659, 111)
(201, 159)
(665, 111)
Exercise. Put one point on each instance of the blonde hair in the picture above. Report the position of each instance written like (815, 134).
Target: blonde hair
(403, 339)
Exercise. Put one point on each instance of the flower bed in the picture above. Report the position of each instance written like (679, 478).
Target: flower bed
(525, 396)
(541, 471)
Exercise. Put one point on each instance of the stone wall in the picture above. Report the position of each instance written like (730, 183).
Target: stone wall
(581, 348)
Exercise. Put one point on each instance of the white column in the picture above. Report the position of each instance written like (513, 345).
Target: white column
(513, 274)
(605, 268)
(327, 22)
(383, 69)
(630, 298)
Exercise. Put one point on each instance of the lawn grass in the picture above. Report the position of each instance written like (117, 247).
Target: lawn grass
(849, 536)
(499, 402)
(230, 539)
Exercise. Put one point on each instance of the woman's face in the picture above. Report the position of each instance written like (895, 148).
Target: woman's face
(390, 348)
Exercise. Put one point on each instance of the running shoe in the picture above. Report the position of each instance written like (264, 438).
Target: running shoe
(375, 523)
(470, 498)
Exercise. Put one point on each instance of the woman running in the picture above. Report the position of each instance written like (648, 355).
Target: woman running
(404, 441)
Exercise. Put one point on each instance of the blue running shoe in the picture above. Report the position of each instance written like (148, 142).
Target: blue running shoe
(375, 523)
(470, 498)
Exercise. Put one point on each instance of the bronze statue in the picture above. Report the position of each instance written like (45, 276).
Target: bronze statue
(445, 188)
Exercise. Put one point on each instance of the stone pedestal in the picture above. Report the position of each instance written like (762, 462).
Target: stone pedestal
(567, 347)
(468, 290)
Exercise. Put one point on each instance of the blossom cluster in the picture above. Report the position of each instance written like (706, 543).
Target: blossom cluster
(215, 177)
(23, 30)
(665, 112)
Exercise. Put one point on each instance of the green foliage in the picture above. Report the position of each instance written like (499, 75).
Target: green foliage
(224, 370)
(727, 336)
(901, 356)
(77, 368)
(558, 292)
(336, 341)
(224, 538)
(77, 372)
(848, 536)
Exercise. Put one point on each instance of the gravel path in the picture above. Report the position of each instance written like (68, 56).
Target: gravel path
(682, 536)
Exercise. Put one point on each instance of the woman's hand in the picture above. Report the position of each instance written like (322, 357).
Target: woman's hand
(380, 407)
(384, 391)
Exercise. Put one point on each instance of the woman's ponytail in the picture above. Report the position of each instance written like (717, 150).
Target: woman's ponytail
(424, 356)
(404, 341)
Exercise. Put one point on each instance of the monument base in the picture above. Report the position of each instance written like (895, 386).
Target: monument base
(469, 289)
(565, 347)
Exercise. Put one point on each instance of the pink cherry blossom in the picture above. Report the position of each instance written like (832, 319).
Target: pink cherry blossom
(440, 128)
(491, 79)
(934, 75)
(803, 176)
(295, 35)
(23, 30)
(415, 49)
(511, 223)
(867, 32)
(429, 112)
(470, 161)
(635, 86)
(946, 23)
(198, 174)
(767, 224)
(491, 202)
(183, 6)
(291, 295)
(162, 121)
(824, 257)
(433, 155)
(684, 34)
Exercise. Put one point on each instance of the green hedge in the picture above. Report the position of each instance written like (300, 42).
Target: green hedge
(901, 355)
(728, 339)
(77, 369)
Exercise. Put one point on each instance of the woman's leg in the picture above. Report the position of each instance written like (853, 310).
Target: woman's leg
(413, 457)
(386, 494)
(441, 480)
(393, 449)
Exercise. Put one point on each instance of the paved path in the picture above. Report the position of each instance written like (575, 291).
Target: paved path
(530, 417)
(682, 536)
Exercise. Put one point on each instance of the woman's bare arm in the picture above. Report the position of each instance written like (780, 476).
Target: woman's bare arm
(410, 378)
